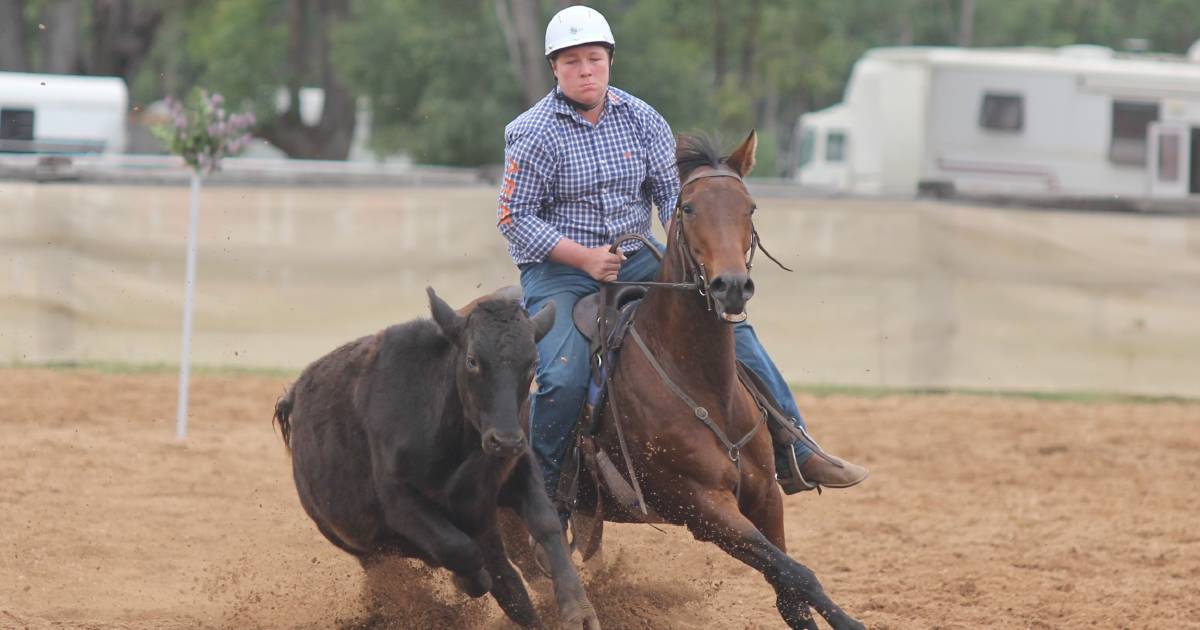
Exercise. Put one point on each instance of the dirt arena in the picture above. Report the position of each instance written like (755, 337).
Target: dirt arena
(982, 512)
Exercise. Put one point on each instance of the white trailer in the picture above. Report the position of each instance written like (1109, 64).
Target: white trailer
(55, 113)
(1072, 122)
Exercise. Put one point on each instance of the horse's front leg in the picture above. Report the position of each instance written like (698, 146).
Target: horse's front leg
(767, 516)
(716, 519)
(524, 493)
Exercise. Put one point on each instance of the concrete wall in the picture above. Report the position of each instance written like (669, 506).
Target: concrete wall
(885, 292)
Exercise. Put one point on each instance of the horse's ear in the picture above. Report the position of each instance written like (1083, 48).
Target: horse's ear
(449, 321)
(543, 321)
(742, 159)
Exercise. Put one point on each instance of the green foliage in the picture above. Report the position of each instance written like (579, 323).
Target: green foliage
(436, 75)
(441, 86)
(241, 49)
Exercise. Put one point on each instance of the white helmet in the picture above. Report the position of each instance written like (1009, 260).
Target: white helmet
(577, 25)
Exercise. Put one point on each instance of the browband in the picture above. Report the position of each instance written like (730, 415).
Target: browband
(713, 173)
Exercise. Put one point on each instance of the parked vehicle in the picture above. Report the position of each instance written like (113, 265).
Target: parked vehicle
(55, 113)
(1077, 121)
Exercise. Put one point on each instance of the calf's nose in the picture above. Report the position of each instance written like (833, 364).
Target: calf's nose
(503, 444)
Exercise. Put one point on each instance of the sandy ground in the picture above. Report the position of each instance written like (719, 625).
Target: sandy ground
(981, 513)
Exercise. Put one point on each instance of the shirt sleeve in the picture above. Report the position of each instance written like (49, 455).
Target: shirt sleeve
(662, 177)
(525, 191)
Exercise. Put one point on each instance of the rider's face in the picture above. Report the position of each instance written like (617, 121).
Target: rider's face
(582, 73)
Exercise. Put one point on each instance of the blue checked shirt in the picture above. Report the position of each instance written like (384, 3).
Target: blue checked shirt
(567, 178)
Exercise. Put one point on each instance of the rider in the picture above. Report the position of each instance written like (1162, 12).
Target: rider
(582, 167)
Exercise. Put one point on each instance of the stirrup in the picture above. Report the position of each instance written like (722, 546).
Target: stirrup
(796, 483)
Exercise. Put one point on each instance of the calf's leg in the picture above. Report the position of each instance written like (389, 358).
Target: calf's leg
(507, 587)
(524, 493)
(434, 538)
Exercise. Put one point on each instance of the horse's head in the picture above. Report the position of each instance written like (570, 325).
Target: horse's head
(494, 364)
(712, 222)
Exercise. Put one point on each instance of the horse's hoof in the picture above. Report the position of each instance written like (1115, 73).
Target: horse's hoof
(849, 624)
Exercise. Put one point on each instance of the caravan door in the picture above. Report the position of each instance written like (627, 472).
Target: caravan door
(1169, 160)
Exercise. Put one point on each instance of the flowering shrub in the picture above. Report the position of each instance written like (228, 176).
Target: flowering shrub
(202, 131)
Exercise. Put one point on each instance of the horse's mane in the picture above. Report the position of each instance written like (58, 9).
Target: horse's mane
(694, 150)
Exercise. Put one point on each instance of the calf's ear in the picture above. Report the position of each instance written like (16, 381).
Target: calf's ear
(543, 321)
(449, 321)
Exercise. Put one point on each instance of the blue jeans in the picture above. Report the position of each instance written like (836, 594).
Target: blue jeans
(563, 372)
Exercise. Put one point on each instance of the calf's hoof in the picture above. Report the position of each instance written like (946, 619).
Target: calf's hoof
(476, 585)
(580, 615)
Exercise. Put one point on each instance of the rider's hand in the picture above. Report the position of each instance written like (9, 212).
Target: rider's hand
(601, 264)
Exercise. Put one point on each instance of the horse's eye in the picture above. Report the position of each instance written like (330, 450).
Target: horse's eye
(688, 209)
(472, 363)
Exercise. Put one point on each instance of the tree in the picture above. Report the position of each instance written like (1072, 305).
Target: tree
(310, 23)
(430, 73)
(250, 50)
(521, 21)
(62, 37)
(122, 33)
(13, 55)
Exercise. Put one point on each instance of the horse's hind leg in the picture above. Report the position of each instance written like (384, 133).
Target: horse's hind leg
(507, 587)
(717, 519)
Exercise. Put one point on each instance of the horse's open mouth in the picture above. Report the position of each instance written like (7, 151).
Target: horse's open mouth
(734, 318)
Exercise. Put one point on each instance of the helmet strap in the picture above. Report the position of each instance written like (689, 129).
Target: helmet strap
(576, 105)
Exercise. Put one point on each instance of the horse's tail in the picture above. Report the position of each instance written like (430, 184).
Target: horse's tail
(283, 416)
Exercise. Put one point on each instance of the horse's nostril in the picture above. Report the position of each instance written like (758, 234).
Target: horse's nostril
(748, 288)
(718, 285)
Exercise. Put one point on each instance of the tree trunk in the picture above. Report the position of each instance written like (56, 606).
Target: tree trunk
(13, 56)
(966, 23)
(331, 137)
(720, 30)
(520, 20)
(62, 39)
(122, 33)
(749, 44)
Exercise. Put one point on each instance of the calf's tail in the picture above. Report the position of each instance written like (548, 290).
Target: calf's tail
(283, 417)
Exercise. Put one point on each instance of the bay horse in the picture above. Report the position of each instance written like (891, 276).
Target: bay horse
(690, 426)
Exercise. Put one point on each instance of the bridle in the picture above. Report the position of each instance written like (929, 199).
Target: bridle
(694, 268)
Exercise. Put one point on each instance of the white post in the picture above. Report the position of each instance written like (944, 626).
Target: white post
(189, 289)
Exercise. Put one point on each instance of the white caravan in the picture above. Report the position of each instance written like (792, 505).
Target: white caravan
(56, 113)
(1072, 122)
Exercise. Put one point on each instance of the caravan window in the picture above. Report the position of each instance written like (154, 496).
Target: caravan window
(16, 124)
(1002, 112)
(835, 146)
(1130, 119)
